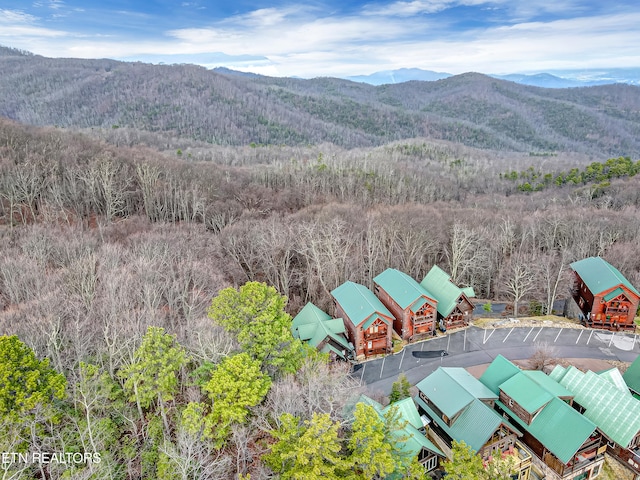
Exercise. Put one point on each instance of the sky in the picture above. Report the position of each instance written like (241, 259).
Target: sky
(336, 38)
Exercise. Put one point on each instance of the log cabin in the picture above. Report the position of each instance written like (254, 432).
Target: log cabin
(323, 332)
(413, 307)
(565, 444)
(607, 402)
(457, 406)
(368, 322)
(454, 307)
(605, 297)
(412, 440)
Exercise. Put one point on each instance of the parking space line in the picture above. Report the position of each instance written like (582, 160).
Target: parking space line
(464, 342)
(589, 339)
(579, 336)
(364, 365)
(611, 339)
(505, 338)
(487, 338)
(525, 338)
(448, 342)
(558, 335)
(534, 338)
(382, 367)
(401, 359)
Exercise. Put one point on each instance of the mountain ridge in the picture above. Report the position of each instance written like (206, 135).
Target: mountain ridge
(222, 107)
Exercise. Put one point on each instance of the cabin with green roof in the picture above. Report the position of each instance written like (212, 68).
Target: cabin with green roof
(611, 407)
(632, 377)
(565, 444)
(368, 322)
(454, 307)
(605, 297)
(412, 440)
(320, 330)
(413, 307)
(458, 407)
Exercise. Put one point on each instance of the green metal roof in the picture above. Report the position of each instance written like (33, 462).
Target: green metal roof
(549, 384)
(632, 375)
(470, 383)
(526, 392)
(445, 392)
(314, 326)
(403, 289)
(617, 414)
(309, 315)
(360, 304)
(407, 410)
(498, 372)
(475, 425)
(614, 377)
(558, 373)
(600, 276)
(413, 441)
(560, 428)
(613, 294)
(438, 283)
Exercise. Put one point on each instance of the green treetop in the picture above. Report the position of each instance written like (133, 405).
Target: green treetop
(25, 381)
(255, 313)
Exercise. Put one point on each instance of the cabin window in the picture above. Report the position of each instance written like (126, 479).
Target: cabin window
(595, 471)
(369, 344)
(511, 402)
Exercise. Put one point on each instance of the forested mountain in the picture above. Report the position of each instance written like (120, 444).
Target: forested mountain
(228, 109)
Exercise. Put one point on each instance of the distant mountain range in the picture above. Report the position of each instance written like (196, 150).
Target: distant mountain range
(553, 79)
(230, 108)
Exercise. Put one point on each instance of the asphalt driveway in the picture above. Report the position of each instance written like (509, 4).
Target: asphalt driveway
(477, 346)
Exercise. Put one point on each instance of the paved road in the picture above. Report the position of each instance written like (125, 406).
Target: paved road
(476, 346)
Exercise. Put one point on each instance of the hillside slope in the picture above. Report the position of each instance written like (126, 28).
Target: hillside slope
(228, 109)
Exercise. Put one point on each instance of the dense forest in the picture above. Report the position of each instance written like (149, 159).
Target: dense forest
(192, 102)
(150, 271)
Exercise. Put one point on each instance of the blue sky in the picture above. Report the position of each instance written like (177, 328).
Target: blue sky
(335, 37)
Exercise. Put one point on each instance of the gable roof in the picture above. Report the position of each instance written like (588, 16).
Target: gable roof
(314, 326)
(447, 395)
(617, 414)
(403, 289)
(360, 304)
(560, 428)
(632, 375)
(413, 441)
(546, 382)
(499, 371)
(600, 276)
(439, 284)
(475, 425)
(614, 377)
(526, 392)
(454, 391)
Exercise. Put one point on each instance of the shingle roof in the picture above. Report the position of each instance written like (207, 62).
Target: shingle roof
(499, 371)
(560, 428)
(617, 414)
(360, 304)
(404, 290)
(600, 276)
(439, 284)
(632, 375)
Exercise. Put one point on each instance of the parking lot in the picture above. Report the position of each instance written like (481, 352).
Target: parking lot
(477, 346)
